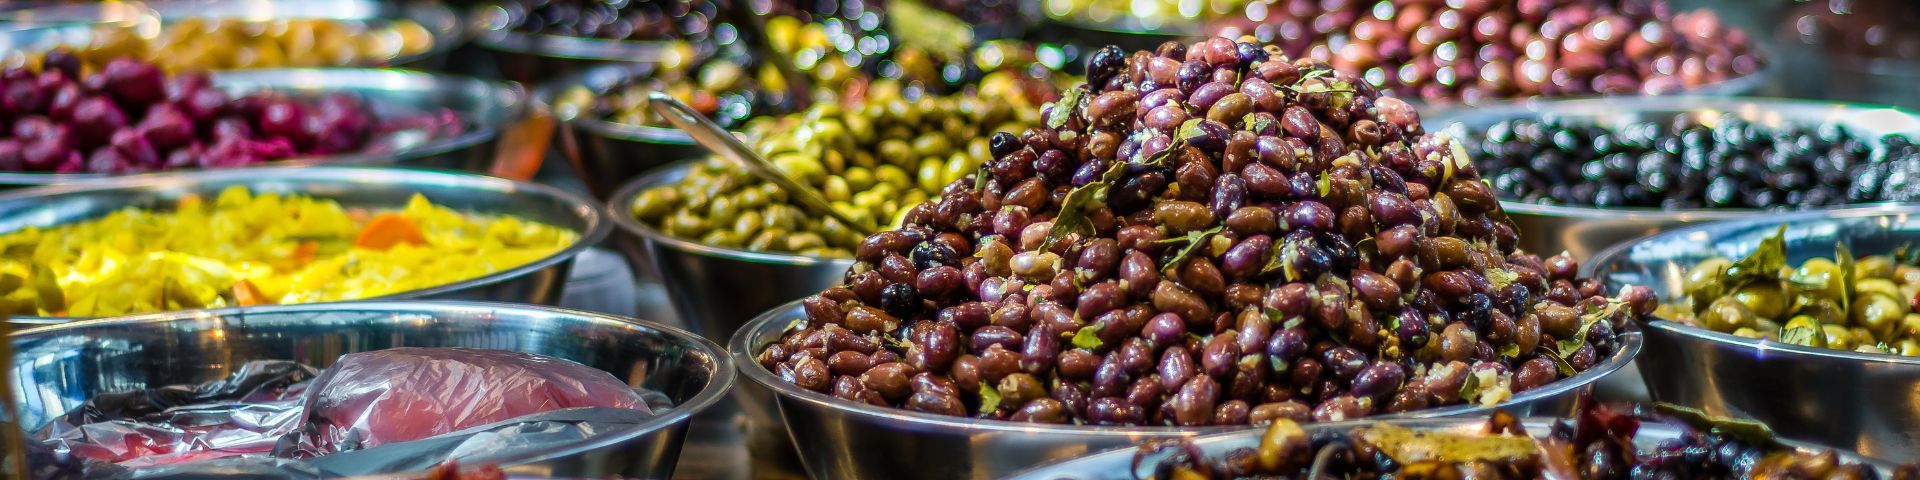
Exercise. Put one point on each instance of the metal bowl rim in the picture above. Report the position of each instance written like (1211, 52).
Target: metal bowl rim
(546, 94)
(717, 386)
(620, 209)
(501, 94)
(1535, 108)
(741, 347)
(597, 228)
(1618, 253)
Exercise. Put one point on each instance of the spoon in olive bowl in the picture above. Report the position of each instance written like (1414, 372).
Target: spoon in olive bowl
(710, 135)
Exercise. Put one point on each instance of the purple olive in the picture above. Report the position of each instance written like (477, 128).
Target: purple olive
(95, 119)
(134, 82)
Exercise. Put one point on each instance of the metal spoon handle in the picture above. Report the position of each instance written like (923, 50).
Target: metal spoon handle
(710, 135)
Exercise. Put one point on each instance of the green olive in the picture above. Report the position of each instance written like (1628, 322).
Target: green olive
(1877, 285)
(859, 178)
(1907, 347)
(896, 152)
(1706, 274)
(766, 240)
(655, 203)
(723, 210)
(892, 176)
(1875, 266)
(928, 176)
(1837, 337)
(958, 166)
(747, 224)
(1820, 277)
(932, 146)
(1726, 315)
(836, 189)
(1764, 298)
(1748, 332)
(1878, 314)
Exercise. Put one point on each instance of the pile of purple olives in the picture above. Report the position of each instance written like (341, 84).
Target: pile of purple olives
(1205, 234)
(130, 117)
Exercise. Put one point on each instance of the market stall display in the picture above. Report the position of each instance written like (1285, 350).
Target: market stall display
(675, 373)
(285, 235)
(1600, 441)
(1042, 229)
(1476, 52)
(1811, 356)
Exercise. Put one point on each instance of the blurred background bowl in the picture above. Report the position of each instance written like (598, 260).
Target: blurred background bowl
(1117, 464)
(1845, 399)
(56, 368)
(536, 57)
(487, 108)
(838, 438)
(1583, 231)
(606, 154)
(538, 282)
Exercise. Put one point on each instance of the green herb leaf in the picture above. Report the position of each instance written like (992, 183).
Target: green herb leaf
(1471, 386)
(1079, 201)
(1802, 336)
(1189, 130)
(1064, 109)
(1559, 363)
(1512, 350)
(989, 397)
(980, 178)
(1087, 338)
(1566, 346)
(1751, 431)
(1325, 183)
(1764, 263)
(1195, 240)
(1255, 123)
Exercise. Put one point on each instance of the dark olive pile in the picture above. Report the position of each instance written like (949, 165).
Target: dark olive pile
(1598, 443)
(129, 117)
(1685, 164)
(614, 19)
(1204, 234)
(1478, 49)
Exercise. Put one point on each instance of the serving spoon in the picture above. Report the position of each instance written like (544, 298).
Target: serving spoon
(710, 135)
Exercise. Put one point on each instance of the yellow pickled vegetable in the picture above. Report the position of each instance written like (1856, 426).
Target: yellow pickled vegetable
(248, 249)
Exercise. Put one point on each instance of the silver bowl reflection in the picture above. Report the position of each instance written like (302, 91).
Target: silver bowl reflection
(537, 282)
(842, 439)
(56, 368)
(536, 57)
(445, 26)
(1583, 231)
(1846, 399)
(486, 107)
(607, 154)
(715, 290)
(1117, 464)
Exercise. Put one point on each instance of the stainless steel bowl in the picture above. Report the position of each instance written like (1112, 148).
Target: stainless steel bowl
(1117, 464)
(605, 154)
(1845, 399)
(56, 368)
(535, 282)
(445, 25)
(1583, 231)
(843, 439)
(715, 290)
(536, 57)
(487, 107)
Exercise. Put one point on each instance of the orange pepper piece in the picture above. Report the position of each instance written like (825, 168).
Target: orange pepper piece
(246, 294)
(387, 230)
(304, 253)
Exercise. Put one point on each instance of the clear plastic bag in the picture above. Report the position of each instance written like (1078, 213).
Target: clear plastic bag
(395, 395)
(282, 414)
